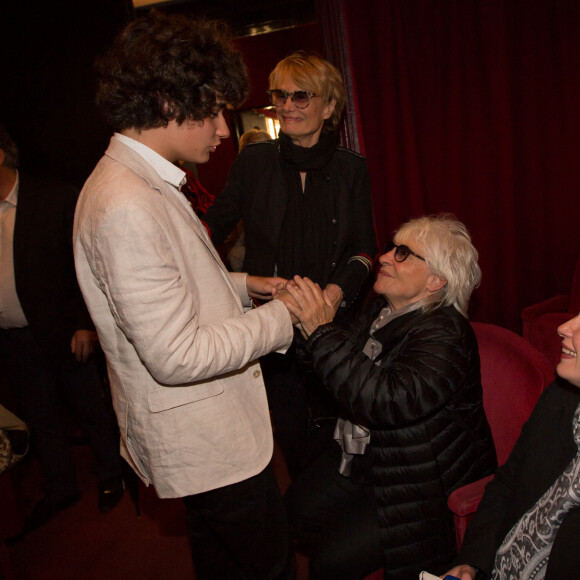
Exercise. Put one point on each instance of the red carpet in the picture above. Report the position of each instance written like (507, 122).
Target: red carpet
(82, 544)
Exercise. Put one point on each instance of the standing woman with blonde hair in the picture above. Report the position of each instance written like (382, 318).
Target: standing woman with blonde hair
(306, 208)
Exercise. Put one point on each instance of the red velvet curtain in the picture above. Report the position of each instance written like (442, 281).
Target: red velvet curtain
(473, 107)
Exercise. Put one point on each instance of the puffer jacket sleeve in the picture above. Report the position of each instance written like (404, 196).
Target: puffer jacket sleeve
(426, 358)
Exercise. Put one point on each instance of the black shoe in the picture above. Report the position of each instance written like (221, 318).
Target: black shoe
(110, 493)
(43, 512)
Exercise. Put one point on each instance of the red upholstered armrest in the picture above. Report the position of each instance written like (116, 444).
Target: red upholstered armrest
(557, 303)
(464, 500)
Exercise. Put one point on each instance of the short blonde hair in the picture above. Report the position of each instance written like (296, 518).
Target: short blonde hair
(449, 253)
(253, 136)
(312, 73)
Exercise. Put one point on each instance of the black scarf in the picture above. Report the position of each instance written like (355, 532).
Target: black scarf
(306, 237)
(308, 158)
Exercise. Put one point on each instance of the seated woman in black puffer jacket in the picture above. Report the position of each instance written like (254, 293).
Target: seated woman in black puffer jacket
(412, 428)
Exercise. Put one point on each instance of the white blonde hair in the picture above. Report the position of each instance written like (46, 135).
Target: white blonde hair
(312, 73)
(449, 254)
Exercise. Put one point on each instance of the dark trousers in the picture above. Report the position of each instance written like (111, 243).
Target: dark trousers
(303, 412)
(47, 395)
(240, 531)
(334, 521)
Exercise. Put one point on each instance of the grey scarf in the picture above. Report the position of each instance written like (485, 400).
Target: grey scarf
(526, 549)
(352, 438)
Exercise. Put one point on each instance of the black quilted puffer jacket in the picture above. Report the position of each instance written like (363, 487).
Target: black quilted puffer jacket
(422, 400)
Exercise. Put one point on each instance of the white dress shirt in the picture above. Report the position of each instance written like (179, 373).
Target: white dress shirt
(11, 313)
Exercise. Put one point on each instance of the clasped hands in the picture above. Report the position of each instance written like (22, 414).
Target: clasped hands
(309, 306)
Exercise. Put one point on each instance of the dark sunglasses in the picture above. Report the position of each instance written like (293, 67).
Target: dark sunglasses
(402, 252)
(301, 99)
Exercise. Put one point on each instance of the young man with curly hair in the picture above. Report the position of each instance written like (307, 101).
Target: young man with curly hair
(177, 329)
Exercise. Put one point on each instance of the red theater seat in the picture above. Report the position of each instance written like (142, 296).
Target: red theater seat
(513, 374)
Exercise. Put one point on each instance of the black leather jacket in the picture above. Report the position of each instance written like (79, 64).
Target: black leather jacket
(422, 400)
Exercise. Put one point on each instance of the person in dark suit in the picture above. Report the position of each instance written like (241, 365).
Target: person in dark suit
(47, 339)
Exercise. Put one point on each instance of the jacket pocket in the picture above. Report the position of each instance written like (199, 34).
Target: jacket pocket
(170, 397)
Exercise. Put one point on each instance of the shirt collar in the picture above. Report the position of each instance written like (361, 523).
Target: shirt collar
(169, 172)
(12, 197)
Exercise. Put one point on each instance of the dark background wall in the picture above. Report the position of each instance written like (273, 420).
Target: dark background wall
(47, 50)
(47, 82)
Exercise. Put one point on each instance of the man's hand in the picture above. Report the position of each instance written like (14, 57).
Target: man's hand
(263, 287)
(83, 344)
(286, 298)
(463, 572)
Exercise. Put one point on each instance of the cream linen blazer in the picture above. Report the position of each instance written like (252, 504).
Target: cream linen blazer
(181, 347)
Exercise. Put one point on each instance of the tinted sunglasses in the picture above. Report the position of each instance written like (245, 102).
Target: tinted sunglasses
(301, 99)
(402, 252)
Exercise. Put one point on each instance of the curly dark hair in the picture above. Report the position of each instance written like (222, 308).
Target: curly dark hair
(168, 67)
